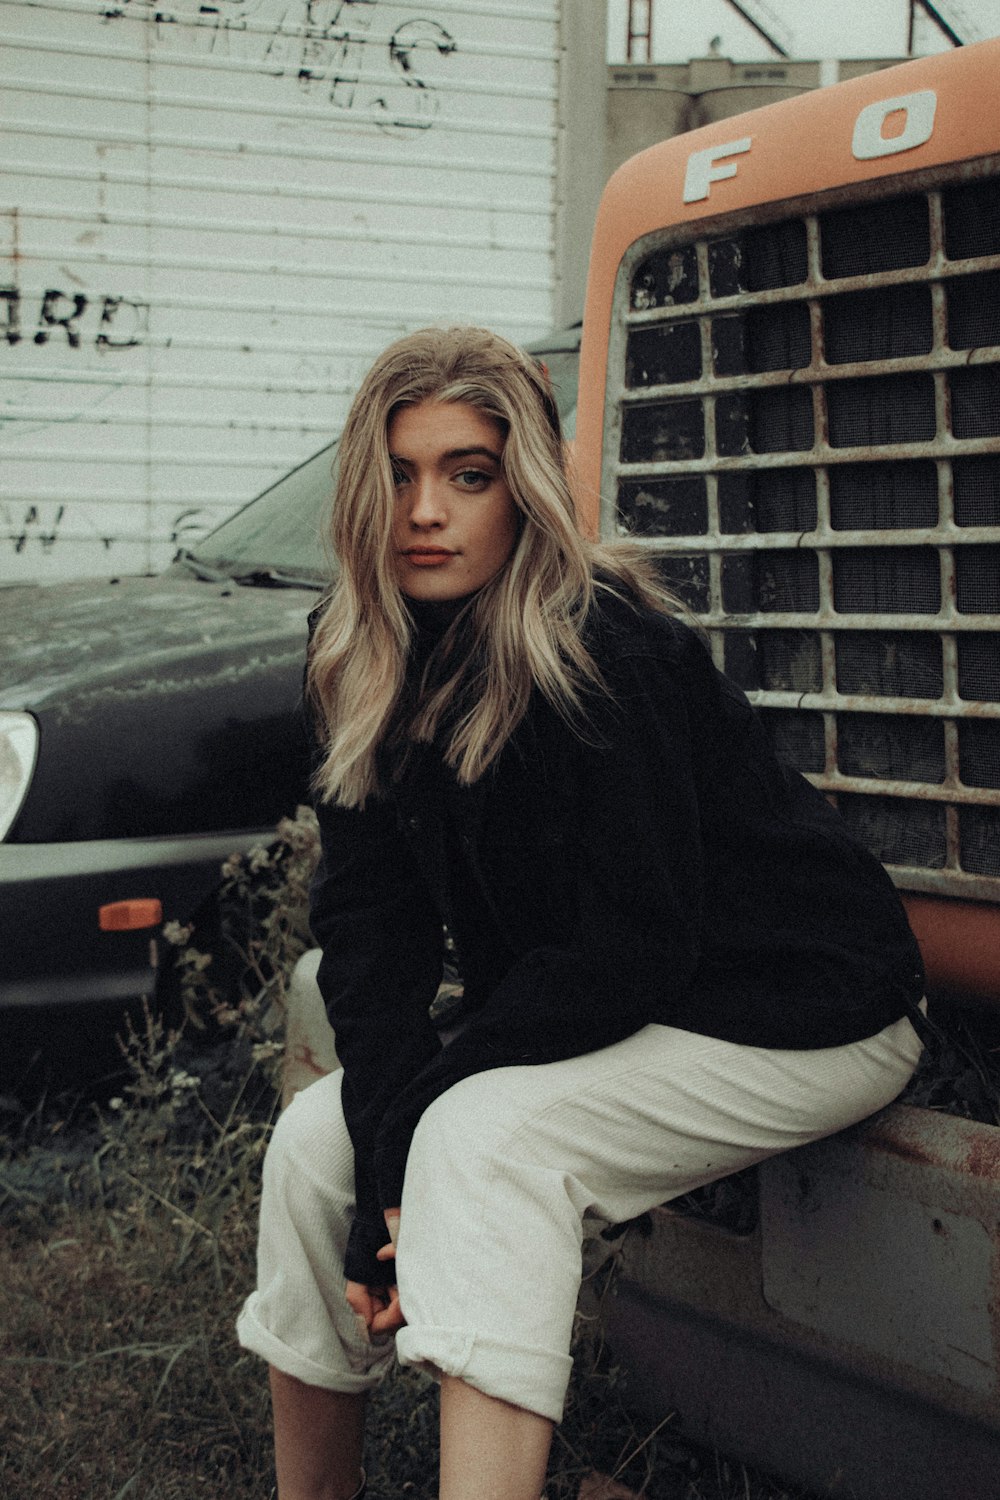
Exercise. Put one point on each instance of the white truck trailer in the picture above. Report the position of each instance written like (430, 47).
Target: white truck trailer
(215, 212)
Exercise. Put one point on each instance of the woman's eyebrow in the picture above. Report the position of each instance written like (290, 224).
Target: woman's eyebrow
(452, 454)
(473, 452)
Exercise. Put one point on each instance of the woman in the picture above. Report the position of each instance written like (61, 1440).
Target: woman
(676, 960)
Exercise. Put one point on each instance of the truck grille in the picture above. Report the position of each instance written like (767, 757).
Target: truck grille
(808, 434)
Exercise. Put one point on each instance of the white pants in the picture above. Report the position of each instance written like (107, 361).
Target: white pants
(502, 1169)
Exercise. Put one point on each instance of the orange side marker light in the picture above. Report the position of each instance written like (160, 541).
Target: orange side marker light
(128, 916)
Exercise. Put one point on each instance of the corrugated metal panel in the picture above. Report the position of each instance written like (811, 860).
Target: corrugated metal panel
(214, 216)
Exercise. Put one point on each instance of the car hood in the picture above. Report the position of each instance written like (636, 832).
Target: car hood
(166, 706)
(58, 640)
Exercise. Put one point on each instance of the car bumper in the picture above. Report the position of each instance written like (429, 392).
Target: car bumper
(53, 952)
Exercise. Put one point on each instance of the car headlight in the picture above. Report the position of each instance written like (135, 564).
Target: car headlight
(18, 749)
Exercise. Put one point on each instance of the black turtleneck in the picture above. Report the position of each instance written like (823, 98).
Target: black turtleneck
(433, 616)
(469, 907)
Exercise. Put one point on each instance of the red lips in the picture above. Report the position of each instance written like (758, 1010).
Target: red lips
(427, 557)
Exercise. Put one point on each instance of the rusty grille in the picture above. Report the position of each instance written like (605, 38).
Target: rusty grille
(807, 433)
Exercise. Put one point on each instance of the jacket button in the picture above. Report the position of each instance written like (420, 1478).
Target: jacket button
(413, 824)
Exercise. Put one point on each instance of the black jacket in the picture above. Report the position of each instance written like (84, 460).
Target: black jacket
(662, 867)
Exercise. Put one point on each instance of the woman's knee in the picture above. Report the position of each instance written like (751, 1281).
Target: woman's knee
(479, 1144)
(310, 1141)
(463, 1130)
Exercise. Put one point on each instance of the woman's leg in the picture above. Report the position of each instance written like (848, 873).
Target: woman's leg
(297, 1318)
(318, 1439)
(504, 1166)
(490, 1450)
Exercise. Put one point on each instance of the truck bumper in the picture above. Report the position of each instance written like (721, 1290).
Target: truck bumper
(53, 952)
(851, 1342)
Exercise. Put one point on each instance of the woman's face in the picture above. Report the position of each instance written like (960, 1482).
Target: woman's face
(456, 522)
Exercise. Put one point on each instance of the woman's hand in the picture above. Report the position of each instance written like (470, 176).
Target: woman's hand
(377, 1307)
(388, 1252)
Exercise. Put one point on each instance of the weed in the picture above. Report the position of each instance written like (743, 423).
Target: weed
(959, 1073)
(260, 927)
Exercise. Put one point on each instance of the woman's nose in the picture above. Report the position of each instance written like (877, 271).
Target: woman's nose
(426, 503)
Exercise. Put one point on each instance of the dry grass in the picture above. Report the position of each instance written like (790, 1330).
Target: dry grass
(119, 1380)
(126, 1247)
(119, 1274)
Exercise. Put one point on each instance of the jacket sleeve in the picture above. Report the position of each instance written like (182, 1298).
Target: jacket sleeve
(381, 939)
(638, 910)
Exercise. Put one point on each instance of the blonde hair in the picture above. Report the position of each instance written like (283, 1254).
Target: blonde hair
(522, 631)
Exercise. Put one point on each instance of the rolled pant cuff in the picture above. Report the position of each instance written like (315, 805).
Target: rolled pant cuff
(258, 1339)
(521, 1374)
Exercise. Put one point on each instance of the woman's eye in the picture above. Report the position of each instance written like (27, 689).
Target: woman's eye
(473, 479)
(398, 475)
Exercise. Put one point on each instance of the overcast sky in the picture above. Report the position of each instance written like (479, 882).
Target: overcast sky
(806, 28)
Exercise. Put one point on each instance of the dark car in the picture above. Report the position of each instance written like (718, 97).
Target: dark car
(151, 726)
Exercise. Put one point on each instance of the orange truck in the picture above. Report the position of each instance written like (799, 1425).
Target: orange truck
(790, 392)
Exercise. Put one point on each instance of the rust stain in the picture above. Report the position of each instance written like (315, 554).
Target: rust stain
(303, 1055)
(977, 1156)
(983, 1156)
(907, 1151)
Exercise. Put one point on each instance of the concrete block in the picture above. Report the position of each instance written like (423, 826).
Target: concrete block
(310, 1046)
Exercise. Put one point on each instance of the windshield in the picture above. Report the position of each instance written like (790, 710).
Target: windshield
(279, 537)
(281, 531)
(563, 366)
